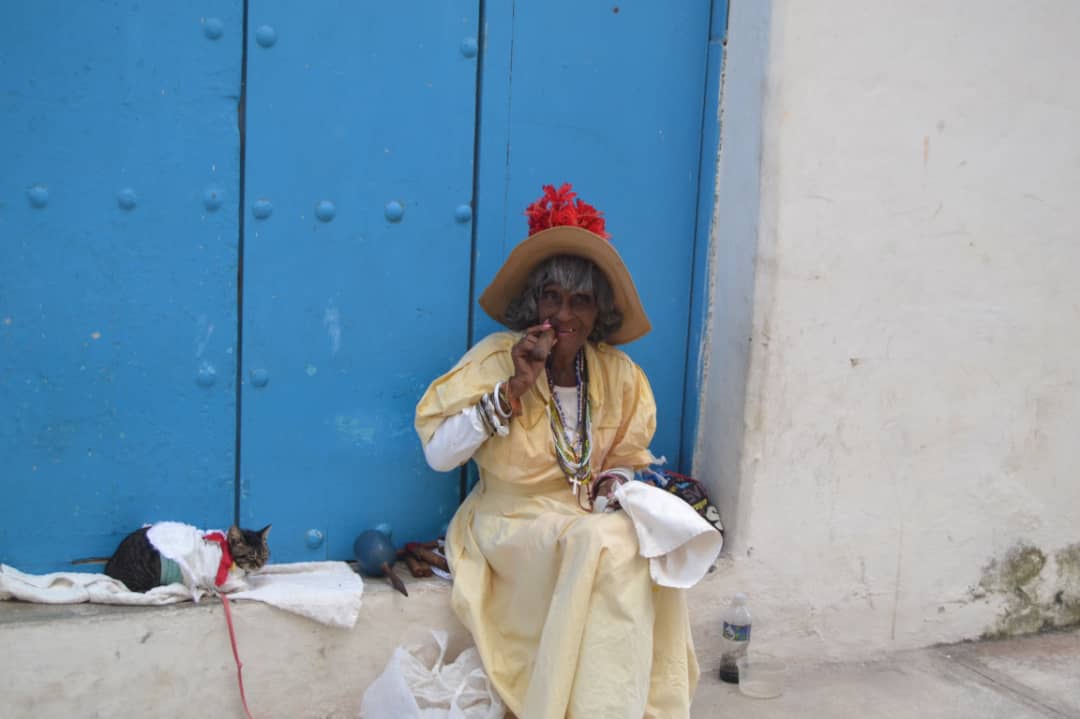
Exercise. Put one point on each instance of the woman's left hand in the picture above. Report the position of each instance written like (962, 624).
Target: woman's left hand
(603, 492)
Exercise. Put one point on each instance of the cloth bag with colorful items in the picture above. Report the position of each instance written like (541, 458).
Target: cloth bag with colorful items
(685, 488)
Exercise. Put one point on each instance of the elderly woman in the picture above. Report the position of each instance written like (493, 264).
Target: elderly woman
(561, 606)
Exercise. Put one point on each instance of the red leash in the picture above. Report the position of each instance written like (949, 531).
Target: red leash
(235, 653)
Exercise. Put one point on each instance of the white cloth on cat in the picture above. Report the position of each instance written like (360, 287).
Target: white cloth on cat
(197, 557)
(679, 544)
(327, 592)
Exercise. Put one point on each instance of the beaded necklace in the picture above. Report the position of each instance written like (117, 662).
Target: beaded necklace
(575, 462)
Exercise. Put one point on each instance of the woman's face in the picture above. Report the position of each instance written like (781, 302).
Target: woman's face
(572, 315)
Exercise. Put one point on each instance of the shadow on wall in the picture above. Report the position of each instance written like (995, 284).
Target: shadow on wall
(1039, 591)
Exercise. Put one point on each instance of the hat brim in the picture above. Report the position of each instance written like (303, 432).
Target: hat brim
(510, 280)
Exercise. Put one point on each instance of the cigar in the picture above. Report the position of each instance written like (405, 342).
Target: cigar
(537, 353)
(424, 554)
(417, 567)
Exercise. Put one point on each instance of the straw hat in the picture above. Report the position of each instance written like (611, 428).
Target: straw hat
(560, 226)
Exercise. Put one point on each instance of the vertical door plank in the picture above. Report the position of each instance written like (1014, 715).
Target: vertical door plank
(118, 244)
(608, 96)
(360, 123)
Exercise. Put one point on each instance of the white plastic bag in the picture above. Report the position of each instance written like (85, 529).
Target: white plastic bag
(417, 685)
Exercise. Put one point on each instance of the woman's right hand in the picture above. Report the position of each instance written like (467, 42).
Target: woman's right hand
(530, 353)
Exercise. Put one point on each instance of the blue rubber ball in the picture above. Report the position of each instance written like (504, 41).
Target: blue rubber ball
(373, 549)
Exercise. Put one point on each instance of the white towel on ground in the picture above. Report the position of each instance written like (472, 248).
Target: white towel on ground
(679, 543)
(327, 592)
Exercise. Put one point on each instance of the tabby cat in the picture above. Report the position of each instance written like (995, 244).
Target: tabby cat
(137, 563)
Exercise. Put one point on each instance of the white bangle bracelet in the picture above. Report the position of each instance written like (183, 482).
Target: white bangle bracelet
(489, 406)
(498, 402)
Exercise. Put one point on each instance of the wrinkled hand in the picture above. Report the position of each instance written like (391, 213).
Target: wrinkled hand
(529, 355)
(603, 492)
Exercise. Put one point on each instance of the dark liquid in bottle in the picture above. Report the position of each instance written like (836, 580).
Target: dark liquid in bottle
(729, 674)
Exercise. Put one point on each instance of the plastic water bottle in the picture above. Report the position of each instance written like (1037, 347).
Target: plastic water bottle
(736, 638)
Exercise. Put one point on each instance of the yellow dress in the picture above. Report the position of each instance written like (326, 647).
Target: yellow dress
(561, 606)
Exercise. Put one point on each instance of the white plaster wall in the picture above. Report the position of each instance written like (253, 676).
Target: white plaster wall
(909, 235)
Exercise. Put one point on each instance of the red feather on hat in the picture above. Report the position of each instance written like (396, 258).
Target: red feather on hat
(559, 208)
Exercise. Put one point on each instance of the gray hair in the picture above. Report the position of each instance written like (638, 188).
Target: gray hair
(573, 274)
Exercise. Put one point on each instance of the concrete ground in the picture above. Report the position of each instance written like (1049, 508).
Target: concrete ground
(1037, 676)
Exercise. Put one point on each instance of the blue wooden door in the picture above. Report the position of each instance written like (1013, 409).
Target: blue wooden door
(127, 222)
(612, 101)
(118, 250)
(356, 260)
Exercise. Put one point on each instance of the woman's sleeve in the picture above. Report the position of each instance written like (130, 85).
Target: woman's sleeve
(473, 376)
(455, 440)
(638, 423)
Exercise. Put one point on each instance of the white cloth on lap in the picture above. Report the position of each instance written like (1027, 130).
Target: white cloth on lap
(679, 544)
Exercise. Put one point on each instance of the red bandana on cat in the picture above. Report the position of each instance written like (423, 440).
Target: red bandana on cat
(226, 556)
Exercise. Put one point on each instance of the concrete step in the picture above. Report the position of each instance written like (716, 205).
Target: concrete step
(93, 661)
(100, 661)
